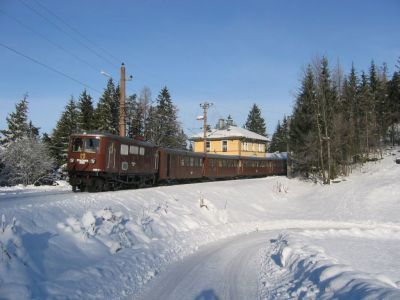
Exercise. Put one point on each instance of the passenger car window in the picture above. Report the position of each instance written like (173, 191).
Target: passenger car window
(141, 150)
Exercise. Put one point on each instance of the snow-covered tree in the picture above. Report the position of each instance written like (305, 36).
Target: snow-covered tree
(18, 125)
(25, 161)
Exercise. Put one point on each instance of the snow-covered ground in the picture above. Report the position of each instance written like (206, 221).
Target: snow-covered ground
(267, 238)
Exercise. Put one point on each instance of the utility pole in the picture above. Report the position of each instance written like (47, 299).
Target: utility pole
(205, 106)
(122, 114)
(122, 130)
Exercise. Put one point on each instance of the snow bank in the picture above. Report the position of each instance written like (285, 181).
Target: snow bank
(295, 269)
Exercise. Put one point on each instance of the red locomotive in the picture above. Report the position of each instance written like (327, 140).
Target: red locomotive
(101, 162)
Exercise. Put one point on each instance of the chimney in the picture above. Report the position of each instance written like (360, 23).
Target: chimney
(221, 124)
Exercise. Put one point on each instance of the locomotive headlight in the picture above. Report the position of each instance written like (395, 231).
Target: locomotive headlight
(92, 161)
(71, 160)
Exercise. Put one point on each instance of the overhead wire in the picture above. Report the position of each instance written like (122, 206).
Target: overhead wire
(50, 41)
(76, 31)
(67, 33)
(49, 67)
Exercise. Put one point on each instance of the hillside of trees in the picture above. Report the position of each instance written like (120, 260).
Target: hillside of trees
(339, 119)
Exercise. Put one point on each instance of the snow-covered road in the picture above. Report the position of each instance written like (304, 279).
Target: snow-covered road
(226, 269)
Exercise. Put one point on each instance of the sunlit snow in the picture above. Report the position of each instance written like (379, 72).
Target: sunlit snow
(266, 238)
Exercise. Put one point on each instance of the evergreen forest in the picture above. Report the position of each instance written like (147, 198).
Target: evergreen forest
(340, 120)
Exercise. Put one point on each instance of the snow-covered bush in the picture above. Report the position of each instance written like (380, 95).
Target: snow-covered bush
(104, 227)
(25, 160)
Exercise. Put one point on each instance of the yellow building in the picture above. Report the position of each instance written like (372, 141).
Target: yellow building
(231, 141)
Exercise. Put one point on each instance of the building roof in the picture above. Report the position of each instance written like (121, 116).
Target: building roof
(229, 133)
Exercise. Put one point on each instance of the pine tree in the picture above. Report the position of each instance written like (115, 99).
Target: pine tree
(349, 122)
(107, 112)
(18, 126)
(151, 125)
(66, 125)
(255, 122)
(394, 107)
(302, 134)
(326, 99)
(162, 126)
(134, 126)
(280, 138)
(85, 112)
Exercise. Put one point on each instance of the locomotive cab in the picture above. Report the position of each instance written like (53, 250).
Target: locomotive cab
(103, 161)
(84, 154)
(85, 161)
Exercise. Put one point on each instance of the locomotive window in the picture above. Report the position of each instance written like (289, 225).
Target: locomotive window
(124, 149)
(77, 145)
(134, 150)
(86, 145)
(91, 145)
(141, 150)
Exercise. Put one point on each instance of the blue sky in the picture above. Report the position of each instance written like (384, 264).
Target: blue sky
(233, 53)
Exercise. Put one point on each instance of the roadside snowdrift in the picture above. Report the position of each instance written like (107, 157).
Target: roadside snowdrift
(296, 269)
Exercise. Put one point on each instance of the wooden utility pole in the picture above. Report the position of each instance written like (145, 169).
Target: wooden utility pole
(205, 106)
(122, 130)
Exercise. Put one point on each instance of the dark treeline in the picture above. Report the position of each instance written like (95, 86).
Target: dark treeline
(155, 122)
(339, 120)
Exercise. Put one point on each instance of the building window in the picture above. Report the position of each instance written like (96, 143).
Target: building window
(208, 146)
(224, 146)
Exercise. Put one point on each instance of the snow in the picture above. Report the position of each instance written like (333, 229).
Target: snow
(231, 132)
(266, 238)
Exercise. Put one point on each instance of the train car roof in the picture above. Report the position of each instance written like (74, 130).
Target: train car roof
(182, 152)
(113, 136)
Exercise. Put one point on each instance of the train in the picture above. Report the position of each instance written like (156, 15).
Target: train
(102, 162)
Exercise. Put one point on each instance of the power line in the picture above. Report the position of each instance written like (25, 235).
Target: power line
(76, 31)
(49, 67)
(50, 41)
(67, 33)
